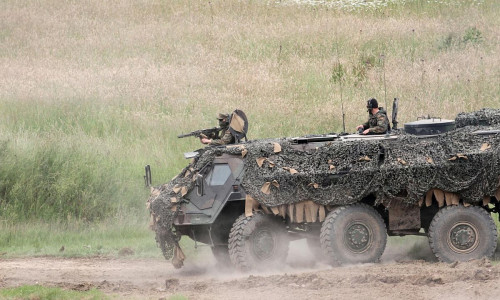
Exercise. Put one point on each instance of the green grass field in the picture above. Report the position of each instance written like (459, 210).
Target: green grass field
(49, 293)
(91, 92)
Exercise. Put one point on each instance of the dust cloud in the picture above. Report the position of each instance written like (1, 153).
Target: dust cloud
(407, 248)
(302, 259)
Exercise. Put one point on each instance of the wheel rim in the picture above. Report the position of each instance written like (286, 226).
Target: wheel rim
(463, 237)
(263, 244)
(358, 237)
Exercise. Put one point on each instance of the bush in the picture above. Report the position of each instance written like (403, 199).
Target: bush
(473, 36)
(50, 181)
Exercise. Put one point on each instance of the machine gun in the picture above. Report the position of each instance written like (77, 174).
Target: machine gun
(395, 114)
(202, 133)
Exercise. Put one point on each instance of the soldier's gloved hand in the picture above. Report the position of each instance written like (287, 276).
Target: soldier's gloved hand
(206, 141)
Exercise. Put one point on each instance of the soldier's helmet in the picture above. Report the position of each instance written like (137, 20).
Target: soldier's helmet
(372, 103)
(222, 116)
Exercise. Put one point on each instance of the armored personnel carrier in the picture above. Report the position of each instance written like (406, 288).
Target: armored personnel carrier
(343, 193)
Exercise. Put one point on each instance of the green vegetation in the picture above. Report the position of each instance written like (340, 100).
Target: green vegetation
(49, 293)
(471, 36)
(89, 94)
(79, 239)
(177, 297)
(113, 237)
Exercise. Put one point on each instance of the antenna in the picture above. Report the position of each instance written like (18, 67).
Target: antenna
(342, 102)
(338, 76)
(385, 87)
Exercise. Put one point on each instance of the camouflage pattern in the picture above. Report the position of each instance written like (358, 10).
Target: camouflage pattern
(378, 123)
(464, 164)
(226, 138)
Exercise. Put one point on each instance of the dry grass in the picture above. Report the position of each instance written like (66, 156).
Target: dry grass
(127, 76)
(197, 58)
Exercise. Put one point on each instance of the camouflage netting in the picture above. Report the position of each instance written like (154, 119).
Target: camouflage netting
(341, 173)
(485, 116)
(344, 172)
(164, 204)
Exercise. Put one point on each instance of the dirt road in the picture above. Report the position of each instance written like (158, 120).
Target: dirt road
(405, 278)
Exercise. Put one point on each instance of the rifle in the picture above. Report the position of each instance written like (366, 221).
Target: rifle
(202, 133)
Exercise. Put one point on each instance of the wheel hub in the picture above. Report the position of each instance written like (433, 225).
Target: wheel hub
(263, 244)
(357, 237)
(463, 238)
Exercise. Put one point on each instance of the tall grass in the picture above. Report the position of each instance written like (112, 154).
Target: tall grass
(78, 238)
(117, 236)
(90, 93)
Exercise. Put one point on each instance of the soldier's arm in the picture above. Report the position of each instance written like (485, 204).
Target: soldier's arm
(226, 139)
(366, 125)
(382, 125)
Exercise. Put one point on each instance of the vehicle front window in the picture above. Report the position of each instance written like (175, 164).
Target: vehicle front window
(220, 173)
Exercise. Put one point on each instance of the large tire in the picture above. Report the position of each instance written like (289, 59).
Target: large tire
(459, 233)
(257, 242)
(353, 234)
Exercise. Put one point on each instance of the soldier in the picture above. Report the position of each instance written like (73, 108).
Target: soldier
(377, 123)
(225, 134)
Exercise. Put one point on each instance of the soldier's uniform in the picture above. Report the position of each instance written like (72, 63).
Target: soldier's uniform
(226, 138)
(225, 135)
(378, 123)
